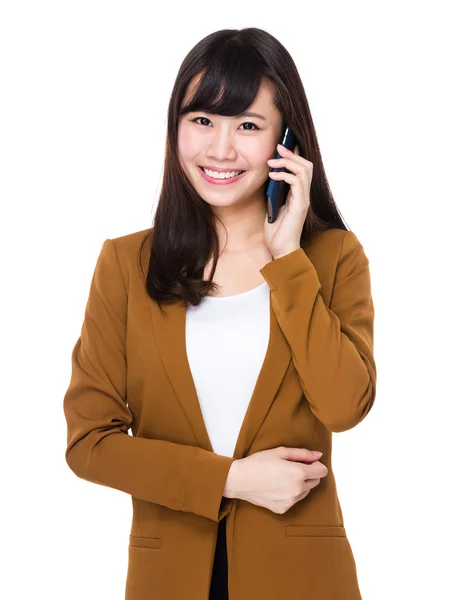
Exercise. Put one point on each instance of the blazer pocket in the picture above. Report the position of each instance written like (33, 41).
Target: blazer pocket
(315, 530)
(145, 542)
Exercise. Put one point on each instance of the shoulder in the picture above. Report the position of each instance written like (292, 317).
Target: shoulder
(123, 251)
(127, 246)
(131, 241)
(336, 254)
(335, 244)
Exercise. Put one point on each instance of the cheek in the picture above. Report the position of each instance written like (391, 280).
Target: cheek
(187, 143)
(258, 155)
(261, 160)
(270, 151)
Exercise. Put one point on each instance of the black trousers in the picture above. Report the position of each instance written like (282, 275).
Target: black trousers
(219, 581)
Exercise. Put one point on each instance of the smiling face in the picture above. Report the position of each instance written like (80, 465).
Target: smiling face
(230, 143)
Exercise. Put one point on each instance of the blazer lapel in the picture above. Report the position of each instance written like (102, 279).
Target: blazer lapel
(170, 337)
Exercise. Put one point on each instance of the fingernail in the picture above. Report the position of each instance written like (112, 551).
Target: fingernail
(317, 453)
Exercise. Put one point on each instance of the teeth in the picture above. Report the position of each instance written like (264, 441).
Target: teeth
(217, 175)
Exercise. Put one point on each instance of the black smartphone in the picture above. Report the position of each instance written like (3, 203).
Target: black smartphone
(278, 190)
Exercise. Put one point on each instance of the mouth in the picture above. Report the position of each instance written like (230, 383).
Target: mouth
(224, 181)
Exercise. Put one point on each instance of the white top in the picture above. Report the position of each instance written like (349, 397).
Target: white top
(226, 339)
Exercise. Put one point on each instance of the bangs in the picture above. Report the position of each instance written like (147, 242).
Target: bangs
(229, 84)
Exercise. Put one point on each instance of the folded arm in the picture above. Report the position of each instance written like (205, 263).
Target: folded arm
(99, 448)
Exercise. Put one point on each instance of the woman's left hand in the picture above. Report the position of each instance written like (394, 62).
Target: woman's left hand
(284, 235)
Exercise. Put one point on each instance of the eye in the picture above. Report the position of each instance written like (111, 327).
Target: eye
(250, 123)
(246, 123)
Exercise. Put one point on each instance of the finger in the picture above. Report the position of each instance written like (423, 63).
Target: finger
(302, 496)
(287, 163)
(316, 469)
(288, 177)
(295, 156)
(319, 470)
(287, 152)
(312, 483)
(292, 162)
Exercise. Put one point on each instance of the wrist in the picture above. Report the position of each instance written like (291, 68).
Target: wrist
(231, 483)
(285, 252)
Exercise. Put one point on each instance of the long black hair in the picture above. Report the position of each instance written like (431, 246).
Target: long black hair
(232, 64)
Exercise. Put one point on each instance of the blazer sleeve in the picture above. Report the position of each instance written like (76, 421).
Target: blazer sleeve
(99, 448)
(332, 347)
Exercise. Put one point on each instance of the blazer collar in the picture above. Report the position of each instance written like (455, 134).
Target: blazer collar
(170, 339)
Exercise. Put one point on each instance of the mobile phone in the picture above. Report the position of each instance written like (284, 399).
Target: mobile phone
(278, 190)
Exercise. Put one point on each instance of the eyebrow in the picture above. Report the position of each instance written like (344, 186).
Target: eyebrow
(244, 114)
(252, 114)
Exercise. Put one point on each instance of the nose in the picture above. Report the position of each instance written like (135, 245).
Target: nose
(221, 147)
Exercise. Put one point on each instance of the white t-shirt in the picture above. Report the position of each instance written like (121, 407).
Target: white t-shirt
(226, 340)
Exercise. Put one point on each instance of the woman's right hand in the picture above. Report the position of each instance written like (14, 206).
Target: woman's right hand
(275, 479)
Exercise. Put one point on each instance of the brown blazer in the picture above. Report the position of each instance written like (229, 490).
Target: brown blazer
(130, 370)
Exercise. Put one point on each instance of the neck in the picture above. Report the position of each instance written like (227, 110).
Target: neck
(240, 228)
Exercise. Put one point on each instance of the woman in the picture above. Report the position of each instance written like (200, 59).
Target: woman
(232, 347)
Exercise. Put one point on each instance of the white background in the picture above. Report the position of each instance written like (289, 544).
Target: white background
(85, 88)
